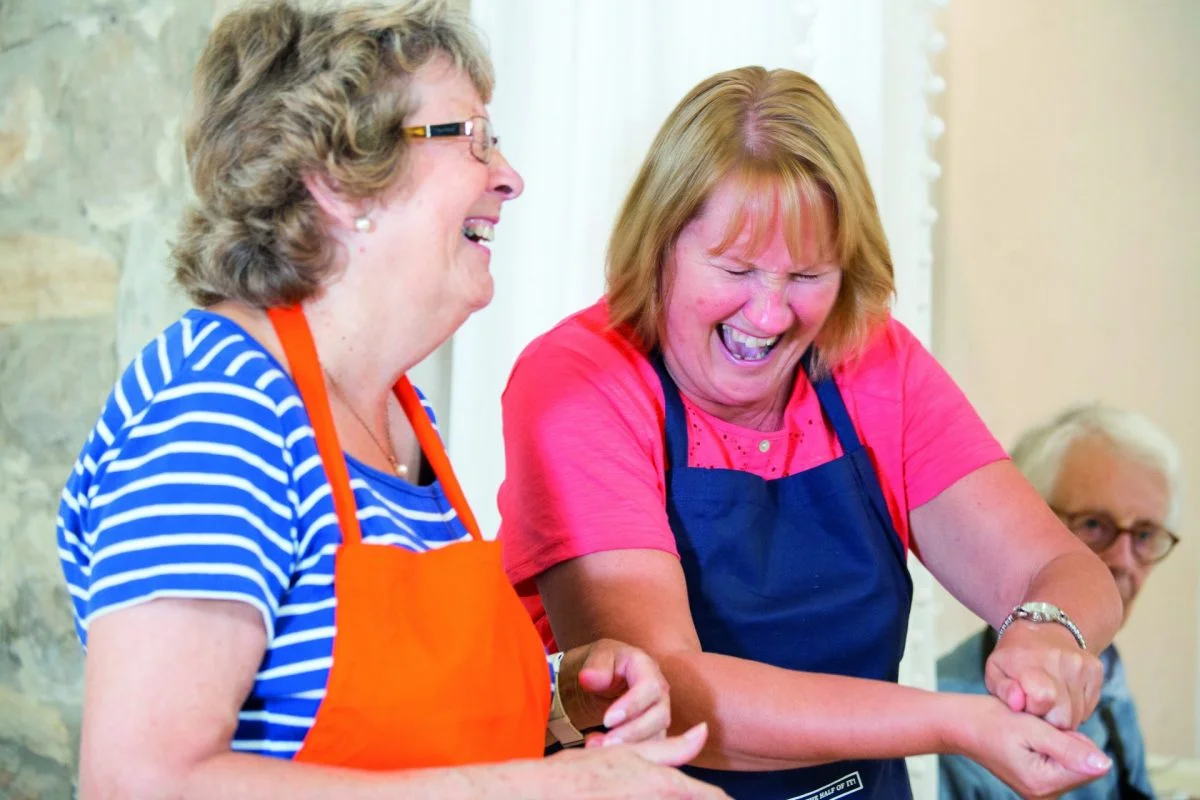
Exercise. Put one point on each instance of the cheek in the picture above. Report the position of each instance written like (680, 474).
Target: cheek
(693, 304)
(718, 302)
(813, 304)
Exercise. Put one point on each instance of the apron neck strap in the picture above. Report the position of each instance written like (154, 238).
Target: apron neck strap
(675, 419)
(301, 353)
(296, 339)
(435, 452)
(834, 406)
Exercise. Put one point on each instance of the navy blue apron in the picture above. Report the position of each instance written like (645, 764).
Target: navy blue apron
(804, 572)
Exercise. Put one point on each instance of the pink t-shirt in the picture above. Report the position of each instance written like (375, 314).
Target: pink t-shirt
(583, 434)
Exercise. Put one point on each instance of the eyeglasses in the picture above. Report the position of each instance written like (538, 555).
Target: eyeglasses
(479, 129)
(1098, 530)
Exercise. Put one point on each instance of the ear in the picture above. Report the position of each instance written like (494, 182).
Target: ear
(339, 209)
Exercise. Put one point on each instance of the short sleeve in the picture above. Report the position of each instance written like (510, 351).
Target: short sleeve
(944, 438)
(192, 500)
(584, 461)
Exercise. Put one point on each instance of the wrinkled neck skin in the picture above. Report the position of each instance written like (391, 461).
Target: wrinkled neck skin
(367, 340)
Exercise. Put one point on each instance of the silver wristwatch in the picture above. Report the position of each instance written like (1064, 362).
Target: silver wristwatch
(1042, 612)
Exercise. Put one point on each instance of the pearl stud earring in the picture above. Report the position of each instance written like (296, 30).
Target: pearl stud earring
(363, 225)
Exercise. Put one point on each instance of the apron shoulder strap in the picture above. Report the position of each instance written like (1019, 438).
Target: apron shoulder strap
(675, 422)
(296, 339)
(834, 407)
(435, 453)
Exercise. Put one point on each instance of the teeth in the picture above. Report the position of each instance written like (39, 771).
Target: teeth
(744, 347)
(479, 230)
(750, 341)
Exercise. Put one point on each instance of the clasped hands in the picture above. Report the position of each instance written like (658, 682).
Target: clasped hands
(1040, 670)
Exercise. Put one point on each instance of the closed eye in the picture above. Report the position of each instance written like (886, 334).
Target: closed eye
(806, 276)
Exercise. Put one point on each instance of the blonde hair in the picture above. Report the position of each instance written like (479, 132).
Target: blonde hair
(282, 91)
(770, 135)
(1040, 451)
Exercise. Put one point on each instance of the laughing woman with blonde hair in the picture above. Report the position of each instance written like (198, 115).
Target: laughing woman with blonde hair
(728, 459)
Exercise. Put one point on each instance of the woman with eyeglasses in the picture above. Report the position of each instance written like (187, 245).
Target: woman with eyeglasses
(279, 584)
(1114, 478)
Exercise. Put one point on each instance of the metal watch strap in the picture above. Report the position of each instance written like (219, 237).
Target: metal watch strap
(1042, 612)
(559, 724)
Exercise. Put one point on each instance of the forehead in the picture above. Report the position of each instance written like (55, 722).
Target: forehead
(444, 93)
(746, 223)
(1097, 476)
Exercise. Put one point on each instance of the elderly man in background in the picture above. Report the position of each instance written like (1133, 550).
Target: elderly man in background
(1106, 473)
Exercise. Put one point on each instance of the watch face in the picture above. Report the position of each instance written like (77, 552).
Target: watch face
(1041, 612)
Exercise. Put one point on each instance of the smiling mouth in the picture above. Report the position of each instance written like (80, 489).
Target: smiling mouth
(479, 230)
(744, 347)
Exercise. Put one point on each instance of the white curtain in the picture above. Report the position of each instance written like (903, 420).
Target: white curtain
(582, 87)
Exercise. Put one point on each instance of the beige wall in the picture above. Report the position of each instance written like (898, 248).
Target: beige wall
(1069, 259)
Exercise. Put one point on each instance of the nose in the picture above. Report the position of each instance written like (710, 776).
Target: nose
(505, 180)
(768, 308)
(1120, 553)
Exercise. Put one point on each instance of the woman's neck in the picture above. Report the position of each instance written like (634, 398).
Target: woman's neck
(367, 349)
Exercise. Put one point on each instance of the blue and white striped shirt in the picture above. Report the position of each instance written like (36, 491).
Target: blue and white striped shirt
(202, 479)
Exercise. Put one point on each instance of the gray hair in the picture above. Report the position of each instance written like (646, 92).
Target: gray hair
(286, 88)
(1039, 452)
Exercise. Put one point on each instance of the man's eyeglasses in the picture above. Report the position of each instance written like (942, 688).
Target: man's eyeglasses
(478, 129)
(1098, 530)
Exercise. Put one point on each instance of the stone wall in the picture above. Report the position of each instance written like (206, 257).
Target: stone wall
(92, 179)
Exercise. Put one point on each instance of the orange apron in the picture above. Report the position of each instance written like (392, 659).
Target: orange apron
(435, 662)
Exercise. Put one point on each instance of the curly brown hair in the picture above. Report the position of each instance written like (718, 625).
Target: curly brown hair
(282, 91)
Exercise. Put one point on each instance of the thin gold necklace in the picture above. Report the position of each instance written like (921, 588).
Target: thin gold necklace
(397, 467)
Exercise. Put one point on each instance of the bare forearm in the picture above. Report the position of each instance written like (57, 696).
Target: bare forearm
(233, 776)
(1080, 585)
(763, 717)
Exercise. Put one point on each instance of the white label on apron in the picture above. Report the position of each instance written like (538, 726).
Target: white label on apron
(840, 788)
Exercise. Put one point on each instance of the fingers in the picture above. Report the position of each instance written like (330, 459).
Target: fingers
(1063, 696)
(1092, 683)
(598, 673)
(1074, 752)
(674, 751)
(1067, 710)
(644, 705)
(1009, 692)
(649, 725)
(1063, 699)
(1043, 694)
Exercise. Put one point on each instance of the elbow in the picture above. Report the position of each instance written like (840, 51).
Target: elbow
(1111, 606)
(1114, 603)
(124, 785)
(124, 777)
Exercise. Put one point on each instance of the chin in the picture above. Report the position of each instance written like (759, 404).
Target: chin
(482, 296)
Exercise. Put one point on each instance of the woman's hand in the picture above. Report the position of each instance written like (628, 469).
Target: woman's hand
(1034, 758)
(643, 770)
(617, 685)
(1042, 670)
